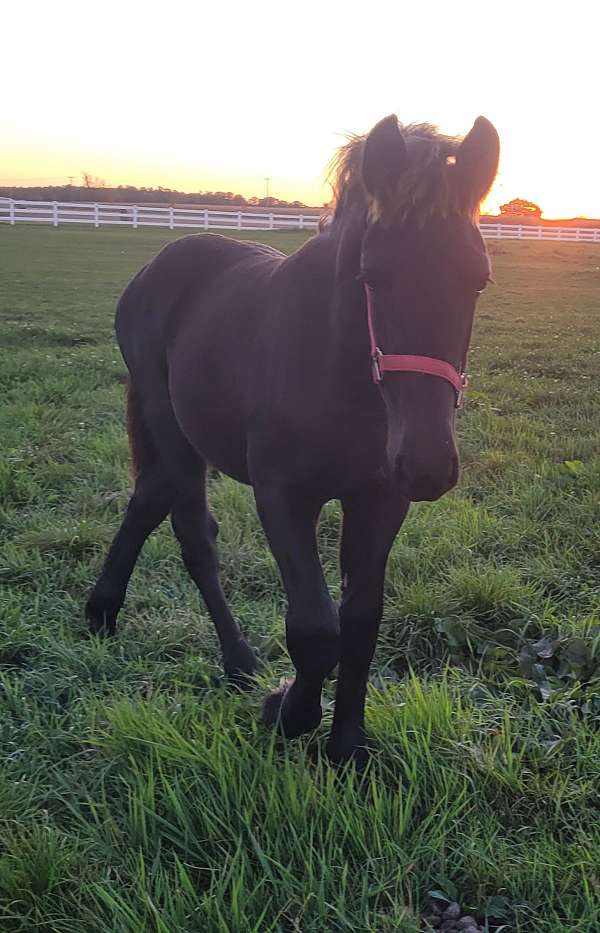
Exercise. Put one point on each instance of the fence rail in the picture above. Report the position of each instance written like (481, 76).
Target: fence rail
(144, 215)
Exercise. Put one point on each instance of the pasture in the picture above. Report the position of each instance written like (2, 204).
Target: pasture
(138, 794)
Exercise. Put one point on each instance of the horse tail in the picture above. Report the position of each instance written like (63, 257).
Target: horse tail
(141, 445)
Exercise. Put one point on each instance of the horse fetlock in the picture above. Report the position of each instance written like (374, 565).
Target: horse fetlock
(240, 663)
(292, 710)
(347, 744)
(314, 645)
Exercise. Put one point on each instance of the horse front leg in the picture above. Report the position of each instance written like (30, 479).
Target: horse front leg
(312, 630)
(371, 521)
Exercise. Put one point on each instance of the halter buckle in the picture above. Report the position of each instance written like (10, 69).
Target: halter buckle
(460, 395)
(376, 365)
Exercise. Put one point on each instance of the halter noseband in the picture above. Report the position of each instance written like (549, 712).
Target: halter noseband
(406, 363)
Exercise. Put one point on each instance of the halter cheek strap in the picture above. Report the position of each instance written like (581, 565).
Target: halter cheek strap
(406, 363)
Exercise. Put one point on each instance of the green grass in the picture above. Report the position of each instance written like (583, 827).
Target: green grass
(137, 794)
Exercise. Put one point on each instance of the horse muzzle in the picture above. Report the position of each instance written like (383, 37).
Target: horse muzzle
(429, 480)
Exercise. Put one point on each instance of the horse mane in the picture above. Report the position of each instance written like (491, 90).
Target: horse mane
(427, 187)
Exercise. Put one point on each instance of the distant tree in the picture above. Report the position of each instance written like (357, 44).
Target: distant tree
(90, 182)
(521, 208)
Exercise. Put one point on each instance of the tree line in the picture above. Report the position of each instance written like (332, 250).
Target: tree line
(94, 190)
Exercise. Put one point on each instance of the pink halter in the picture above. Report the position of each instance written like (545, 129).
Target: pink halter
(405, 363)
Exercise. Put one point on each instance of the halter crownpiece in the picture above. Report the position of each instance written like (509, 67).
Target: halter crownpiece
(406, 363)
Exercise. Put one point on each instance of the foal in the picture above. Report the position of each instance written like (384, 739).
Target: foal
(271, 369)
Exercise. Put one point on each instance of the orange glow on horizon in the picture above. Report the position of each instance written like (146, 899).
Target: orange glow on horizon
(219, 99)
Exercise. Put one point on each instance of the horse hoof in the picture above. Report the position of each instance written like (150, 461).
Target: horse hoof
(101, 624)
(102, 628)
(101, 616)
(240, 665)
(348, 749)
(278, 710)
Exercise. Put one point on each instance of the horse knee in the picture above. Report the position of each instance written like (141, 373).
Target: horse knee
(361, 610)
(197, 539)
(313, 635)
(360, 615)
(149, 504)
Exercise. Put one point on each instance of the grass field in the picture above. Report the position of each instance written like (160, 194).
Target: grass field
(137, 794)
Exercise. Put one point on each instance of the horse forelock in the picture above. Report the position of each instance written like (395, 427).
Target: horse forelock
(427, 188)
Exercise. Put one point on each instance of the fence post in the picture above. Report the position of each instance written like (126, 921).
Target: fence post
(271, 224)
(11, 211)
(205, 219)
(135, 216)
(96, 216)
(539, 232)
(301, 224)
(171, 220)
(239, 220)
(55, 213)
(520, 231)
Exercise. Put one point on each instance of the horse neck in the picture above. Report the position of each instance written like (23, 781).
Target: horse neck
(348, 313)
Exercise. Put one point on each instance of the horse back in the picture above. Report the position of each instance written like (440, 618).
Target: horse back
(186, 325)
(176, 283)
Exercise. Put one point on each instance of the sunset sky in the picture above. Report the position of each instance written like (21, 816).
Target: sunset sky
(217, 96)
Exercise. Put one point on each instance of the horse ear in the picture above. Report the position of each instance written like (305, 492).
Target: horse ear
(384, 158)
(477, 160)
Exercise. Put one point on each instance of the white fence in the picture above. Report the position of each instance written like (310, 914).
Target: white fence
(144, 215)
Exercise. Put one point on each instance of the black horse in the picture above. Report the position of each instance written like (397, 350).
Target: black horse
(261, 365)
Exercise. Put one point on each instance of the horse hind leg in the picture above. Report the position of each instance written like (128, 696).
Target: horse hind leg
(147, 508)
(196, 530)
(170, 477)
